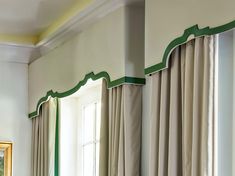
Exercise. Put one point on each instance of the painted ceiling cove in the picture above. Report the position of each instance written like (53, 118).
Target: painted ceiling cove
(30, 29)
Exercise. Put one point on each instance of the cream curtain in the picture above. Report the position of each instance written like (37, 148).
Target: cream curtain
(104, 131)
(121, 131)
(182, 112)
(44, 140)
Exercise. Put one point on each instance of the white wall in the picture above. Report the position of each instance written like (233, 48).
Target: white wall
(14, 123)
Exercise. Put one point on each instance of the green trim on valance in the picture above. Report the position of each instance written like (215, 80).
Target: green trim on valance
(105, 75)
(196, 32)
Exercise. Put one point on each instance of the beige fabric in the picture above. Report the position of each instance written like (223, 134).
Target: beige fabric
(43, 140)
(123, 130)
(182, 112)
(104, 131)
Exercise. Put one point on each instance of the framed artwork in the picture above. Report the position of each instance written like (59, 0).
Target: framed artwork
(5, 159)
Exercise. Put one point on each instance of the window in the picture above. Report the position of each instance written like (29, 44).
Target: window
(225, 148)
(80, 131)
(91, 137)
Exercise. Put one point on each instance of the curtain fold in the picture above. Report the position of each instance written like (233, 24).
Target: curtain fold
(44, 140)
(104, 131)
(121, 131)
(182, 112)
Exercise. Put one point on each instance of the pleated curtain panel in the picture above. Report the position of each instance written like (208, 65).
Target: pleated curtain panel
(182, 132)
(183, 112)
(120, 139)
(44, 139)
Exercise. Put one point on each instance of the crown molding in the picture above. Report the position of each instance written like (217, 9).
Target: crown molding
(27, 53)
(18, 53)
(92, 13)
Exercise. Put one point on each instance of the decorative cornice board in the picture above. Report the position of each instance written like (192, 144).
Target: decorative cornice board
(166, 21)
(105, 75)
(191, 32)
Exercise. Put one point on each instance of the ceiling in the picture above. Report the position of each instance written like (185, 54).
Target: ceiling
(31, 28)
(29, 21)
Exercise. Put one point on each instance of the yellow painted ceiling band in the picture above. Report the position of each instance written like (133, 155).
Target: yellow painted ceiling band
(19, 39)
(34, 39)
(78, 7)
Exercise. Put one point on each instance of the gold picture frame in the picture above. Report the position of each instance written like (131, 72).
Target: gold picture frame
(6, 152)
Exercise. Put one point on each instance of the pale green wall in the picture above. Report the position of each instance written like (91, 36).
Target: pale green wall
(15, 127)
(167, 20)
(114, 44)
(134, 41)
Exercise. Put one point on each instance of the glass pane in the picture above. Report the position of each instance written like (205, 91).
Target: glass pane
(98, 119)
(89, 121)
(97, 158)
(1, 163)
(88, 160)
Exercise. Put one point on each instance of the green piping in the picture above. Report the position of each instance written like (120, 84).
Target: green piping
(117, 82)
(56, 169)
(194, 30)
